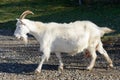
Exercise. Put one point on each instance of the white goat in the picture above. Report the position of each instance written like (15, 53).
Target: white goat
(71, 38)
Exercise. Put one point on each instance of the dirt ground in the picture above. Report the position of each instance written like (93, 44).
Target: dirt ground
(18, 62)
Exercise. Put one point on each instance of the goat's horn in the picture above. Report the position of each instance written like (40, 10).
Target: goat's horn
(25, 13)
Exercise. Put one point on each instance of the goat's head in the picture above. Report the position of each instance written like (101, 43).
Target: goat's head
(22, 28)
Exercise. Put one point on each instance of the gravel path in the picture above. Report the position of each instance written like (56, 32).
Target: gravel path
(18, 62)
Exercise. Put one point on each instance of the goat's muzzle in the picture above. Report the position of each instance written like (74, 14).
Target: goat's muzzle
(23, 38)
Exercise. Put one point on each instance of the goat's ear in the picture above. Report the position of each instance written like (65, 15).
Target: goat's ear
(21, 22)
(17, 19)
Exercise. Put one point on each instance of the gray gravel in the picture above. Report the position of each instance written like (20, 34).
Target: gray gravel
(18, 62)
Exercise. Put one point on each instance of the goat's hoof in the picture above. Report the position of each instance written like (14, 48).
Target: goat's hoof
(111, 66)
(60, 69)
(88, 69)
(37, 72)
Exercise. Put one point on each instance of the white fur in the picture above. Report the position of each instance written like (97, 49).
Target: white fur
(71, 38)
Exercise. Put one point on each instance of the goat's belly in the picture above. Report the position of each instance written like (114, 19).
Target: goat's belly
(69, 46)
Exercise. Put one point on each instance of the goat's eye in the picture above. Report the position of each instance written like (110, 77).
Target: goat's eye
(18, 27)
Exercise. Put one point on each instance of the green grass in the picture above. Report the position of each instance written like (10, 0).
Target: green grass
(56, 11)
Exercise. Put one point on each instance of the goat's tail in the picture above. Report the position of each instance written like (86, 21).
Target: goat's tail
(105, 30)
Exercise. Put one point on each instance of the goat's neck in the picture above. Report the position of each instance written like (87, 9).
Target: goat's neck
(37, 29)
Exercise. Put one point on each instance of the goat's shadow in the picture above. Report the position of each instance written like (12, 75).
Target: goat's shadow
(23, 68)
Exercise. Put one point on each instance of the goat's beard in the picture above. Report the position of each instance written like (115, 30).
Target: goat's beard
(25, 39)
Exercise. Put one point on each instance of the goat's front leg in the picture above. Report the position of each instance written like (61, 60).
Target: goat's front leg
(38, 70)
(45, 56)
(60, 61)
(94, 56)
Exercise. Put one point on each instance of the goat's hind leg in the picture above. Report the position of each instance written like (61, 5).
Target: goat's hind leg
(60, 68)
(93, 56)
(102, 51)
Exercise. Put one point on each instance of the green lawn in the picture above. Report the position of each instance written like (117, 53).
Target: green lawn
(55, 11)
